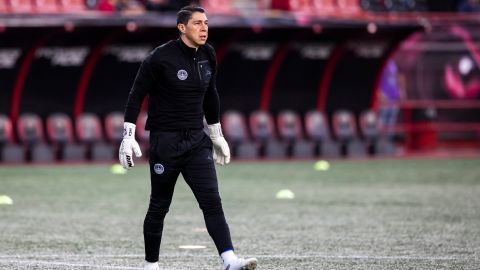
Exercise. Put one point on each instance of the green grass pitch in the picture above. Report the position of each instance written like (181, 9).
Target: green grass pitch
(376, 214)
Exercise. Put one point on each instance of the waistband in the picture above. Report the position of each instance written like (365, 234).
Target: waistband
(182, 131)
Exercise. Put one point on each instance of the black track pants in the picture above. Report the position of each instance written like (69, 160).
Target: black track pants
(188, 153)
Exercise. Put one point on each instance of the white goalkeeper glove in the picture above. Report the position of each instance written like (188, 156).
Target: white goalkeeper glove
(221, 152)
(128, 144)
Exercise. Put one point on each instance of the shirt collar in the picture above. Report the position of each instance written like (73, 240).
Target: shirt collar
(189, 51)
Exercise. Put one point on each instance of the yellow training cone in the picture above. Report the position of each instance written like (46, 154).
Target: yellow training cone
(4, 199)
(285, 194)
(321, 165)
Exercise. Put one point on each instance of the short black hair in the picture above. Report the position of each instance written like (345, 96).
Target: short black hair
(184, 14)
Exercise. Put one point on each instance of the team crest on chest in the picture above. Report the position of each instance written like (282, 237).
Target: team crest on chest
(182, 74)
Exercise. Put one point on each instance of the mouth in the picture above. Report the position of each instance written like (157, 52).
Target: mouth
(202, 37)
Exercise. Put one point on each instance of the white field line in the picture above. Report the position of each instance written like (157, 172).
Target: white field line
(7, 258)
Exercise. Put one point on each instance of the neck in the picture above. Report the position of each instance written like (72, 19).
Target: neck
(188, 42)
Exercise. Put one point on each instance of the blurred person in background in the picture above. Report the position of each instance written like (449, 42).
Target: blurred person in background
(179, 78)
(390, 96)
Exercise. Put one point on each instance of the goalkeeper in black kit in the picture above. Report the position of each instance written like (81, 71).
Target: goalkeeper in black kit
(179, 79)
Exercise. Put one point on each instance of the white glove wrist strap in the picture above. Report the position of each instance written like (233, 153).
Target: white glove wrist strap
(215, 130)
(128, 130)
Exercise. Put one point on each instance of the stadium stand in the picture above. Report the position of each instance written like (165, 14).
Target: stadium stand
(263, 132)
(89, 133)
(236, 132)
(31, 135)
(345, 129)
(61, 134)
(290, 130)
(328, 62)
(318, 131)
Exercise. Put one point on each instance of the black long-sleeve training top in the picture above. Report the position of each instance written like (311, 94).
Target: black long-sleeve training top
(181, 88)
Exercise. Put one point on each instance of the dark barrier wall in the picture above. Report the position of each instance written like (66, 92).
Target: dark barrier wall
(14, 48)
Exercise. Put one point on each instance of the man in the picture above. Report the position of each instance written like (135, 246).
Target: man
(179, 79)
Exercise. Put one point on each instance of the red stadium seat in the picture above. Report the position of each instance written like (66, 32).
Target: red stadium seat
(349, 6)
(59, 128)
(345, 129)
(301, 6)
(6, 130)
(60, 133)
(30, 133)
(369, 125)
(290, 129)
(371, 132)
(262, 126)
(88, 128)
(316, 126)
(317, 130)
(234, 126)
(218, 6)
(344, 125)
(72, 6)
(30, 129)
(89, 133)
(21, 6)
(236, 132)
(263, 132)
(46, 6)
(324, 7)
(114, 127)
(4, 6)
(280, 5)
(9, 151)
(289, 126)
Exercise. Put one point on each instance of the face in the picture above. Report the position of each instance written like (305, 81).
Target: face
(195, 33)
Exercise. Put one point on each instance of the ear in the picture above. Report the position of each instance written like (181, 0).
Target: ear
(181, 28)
